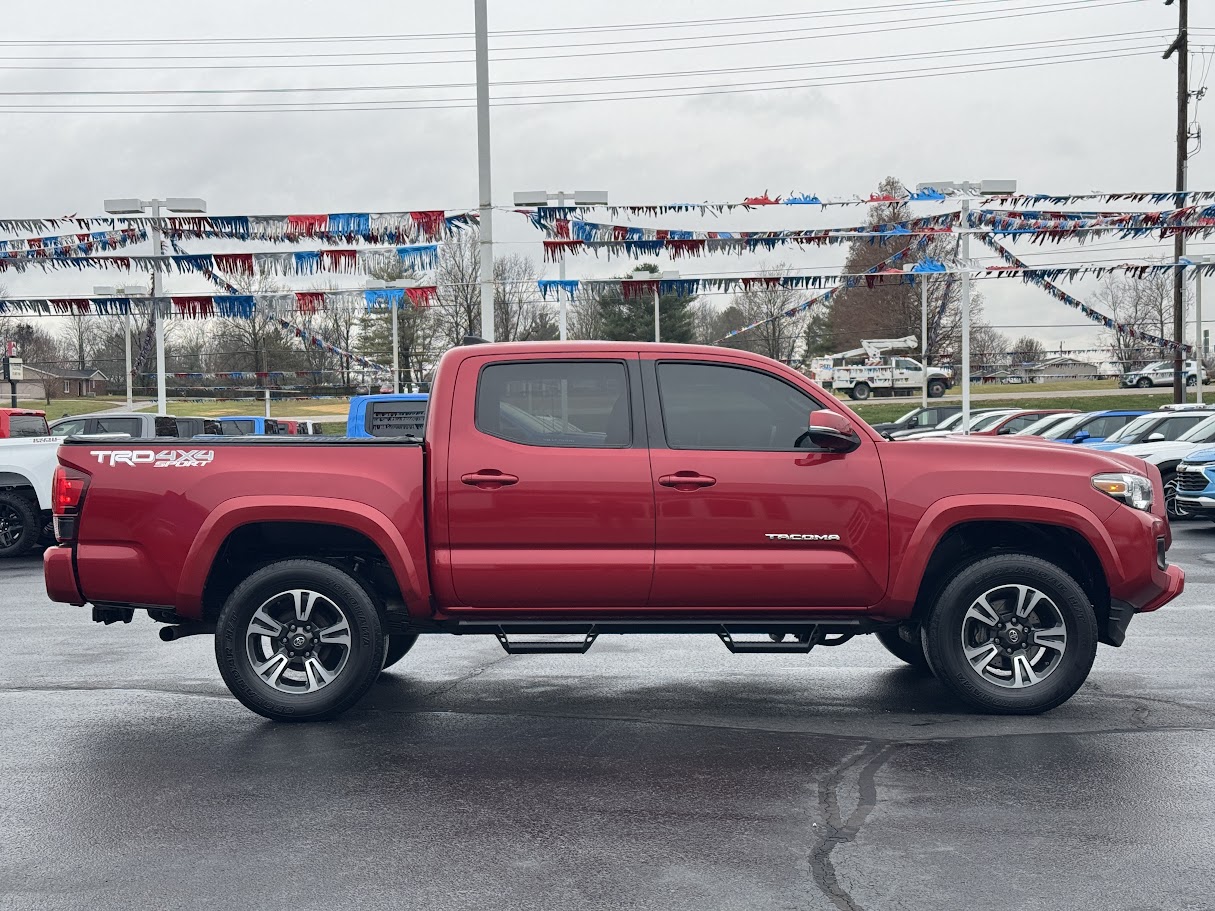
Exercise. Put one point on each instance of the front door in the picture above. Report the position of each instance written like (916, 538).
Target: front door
(747, 517)
(548, 491)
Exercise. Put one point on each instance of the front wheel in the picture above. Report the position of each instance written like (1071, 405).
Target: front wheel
(861, 391)
(1012, 635)
(299, 640)
(908, 650)
(1144, 383)
(1191, 380)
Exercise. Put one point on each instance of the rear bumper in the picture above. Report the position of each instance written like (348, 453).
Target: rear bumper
(60, 575)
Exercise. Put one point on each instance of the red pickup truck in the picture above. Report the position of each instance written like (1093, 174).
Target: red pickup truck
(592, 488)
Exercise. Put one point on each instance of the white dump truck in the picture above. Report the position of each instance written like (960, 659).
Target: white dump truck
(870, 370)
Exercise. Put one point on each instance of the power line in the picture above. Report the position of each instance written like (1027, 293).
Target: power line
(784, 37)
(564, 30)
(569, 98)
(1114, 38)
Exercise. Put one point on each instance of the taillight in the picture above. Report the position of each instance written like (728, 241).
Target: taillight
(67, 492)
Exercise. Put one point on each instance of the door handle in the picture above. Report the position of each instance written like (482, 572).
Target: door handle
(489, 479)
(686, 480)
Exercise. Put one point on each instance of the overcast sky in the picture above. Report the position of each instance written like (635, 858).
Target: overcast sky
(1106, 123)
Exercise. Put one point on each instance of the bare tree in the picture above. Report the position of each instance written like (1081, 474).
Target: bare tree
(258, 343)
(81, 335)
(520, 315)
(459, 292)
(776, 335)
(39, 349)
(1147, 305)
(1025, 352)
(988, 349)
(586, 316)
(419, 333)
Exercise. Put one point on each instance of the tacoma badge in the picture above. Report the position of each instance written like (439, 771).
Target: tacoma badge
(802, 537)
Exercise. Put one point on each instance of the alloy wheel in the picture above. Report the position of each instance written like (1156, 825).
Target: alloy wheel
(1013, 636)
(298, 641)
(12, 526)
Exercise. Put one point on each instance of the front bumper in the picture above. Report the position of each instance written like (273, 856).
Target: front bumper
(1198, 505)
(59, 574)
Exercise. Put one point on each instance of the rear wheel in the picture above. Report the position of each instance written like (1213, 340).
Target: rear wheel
(1191, 380)
(299, 640)
(1012, 635)
(861, 391)
(936, 389)
(398, 646)
(19, 524)
(911, 651)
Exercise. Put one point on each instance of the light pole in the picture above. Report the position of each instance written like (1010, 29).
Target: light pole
(657, 278)
(923, 279)
(185, 204)
(124, 291)
(981, 188)
(400, 284)
(580, 198)
(486, 240)
(1198, 349)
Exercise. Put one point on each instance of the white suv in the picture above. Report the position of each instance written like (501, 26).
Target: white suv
(1166, 454)
(1161, 374)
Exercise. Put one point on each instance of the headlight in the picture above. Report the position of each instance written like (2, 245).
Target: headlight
(1132, 489)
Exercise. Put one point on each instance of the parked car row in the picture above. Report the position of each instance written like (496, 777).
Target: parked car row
(1176, 439)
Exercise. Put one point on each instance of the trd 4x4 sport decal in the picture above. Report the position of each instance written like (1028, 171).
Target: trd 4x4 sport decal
(164, 458)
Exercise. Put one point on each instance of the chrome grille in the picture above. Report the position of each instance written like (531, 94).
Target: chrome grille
(1191, 480)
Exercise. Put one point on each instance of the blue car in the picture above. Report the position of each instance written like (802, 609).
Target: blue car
(389, 415)
(1196, 484)
(1155, 427)
(247, 425)
(1092, 427)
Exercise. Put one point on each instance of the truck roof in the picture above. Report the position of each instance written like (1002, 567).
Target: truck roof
(22, 412)
(461, 352)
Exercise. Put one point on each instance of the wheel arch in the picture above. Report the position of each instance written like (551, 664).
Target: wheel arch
(245, 533)
(1058, 531)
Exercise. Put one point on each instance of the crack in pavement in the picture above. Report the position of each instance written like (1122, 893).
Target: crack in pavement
(835, 830)
(476, 672)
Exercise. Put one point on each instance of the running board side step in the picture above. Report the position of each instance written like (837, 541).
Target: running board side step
(550, 647)
(802, 643)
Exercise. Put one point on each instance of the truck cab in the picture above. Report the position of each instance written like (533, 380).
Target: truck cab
(22, 422)
(387, 415)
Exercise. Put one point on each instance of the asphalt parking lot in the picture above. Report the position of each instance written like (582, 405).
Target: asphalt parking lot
(658, 773)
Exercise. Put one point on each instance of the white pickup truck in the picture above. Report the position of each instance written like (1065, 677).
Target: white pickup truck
(881, 374)
(27, 465)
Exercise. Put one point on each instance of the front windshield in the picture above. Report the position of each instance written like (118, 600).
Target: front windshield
(1158, 365)
(987, 421)
(1200, 433)
(1133, 429)
(951, 422)
(909, 415)
(1066, 429)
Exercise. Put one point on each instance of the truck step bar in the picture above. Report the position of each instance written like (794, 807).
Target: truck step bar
(549, 647)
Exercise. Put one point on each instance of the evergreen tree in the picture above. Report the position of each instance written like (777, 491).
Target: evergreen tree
(631, 319)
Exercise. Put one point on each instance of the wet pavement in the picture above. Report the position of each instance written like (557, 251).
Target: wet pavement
(657, 773)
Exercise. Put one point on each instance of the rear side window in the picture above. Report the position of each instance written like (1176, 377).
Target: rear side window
(67, 428)
(236, 428)
(1019, 423)
(394, 419)
(132, 426)
(1176, 427)
(272, 428)
(27, 425)
(711, 406)
(575, 404)
(167, 427)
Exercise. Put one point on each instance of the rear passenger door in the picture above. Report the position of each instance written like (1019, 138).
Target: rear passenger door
(750, 515)
(549, 501)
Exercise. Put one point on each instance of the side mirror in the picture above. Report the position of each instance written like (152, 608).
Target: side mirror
(832, 432)
(1005, 429)
(1081, 436)
(1154, 438)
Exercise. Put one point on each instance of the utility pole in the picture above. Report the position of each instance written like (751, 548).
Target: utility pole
(481, 21)
(1180, 45)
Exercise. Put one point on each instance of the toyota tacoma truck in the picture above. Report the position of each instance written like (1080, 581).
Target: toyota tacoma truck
(563, 492)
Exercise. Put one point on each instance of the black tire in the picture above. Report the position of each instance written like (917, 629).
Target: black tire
(398, 646)
(911, 652)
(936, 389)
(20, 524)
(947, 624)
(860, 392)
(364, 649)
(1191, 380)
(1144, 383)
